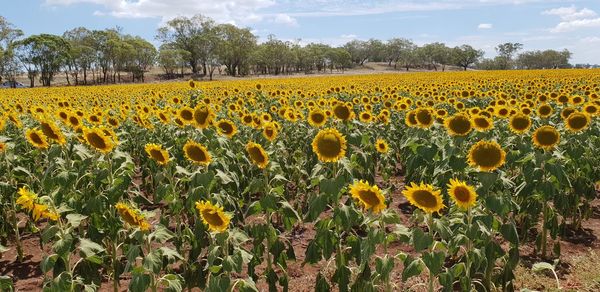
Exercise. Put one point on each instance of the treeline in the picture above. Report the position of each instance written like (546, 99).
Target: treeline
(204, 47)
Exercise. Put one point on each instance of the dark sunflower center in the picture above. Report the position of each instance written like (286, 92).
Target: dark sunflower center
(481, 122)
(317, 117)
(226, 128)
(520, 123)
(369, 197)
(545, 110)
(187, 115)
(157, 155)
(460, 125)
(48, 131)
(196, 154)
(412, 118)
(36, 138)
(547, 137)
(212, 217)
(256, 155)
(462, 194)
(487, 155)
(329, 145)
(424, 117)
(201, 116)
(425, 198)
(342, 112)
(95, 140)
(577, 121)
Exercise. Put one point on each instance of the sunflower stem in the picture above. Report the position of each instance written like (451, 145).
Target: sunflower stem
(469, 247)
(431, 233)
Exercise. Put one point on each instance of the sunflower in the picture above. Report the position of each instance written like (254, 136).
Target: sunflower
(463, 194)
(52, 131)
(132, 217)
(213, 216)
(424, 197)
(458, 125)
(329, 145)
(546, 137)
(411, 119)
(226, 128)
(257, 154)
(482, 123)
(157, 153)
(486, 155)
(519, 123)
(365, 117)
(545, 110)
(343, 112)
(424, 117)
(26, 199)
(566, 112)
(577, 121)
(317, 118)
(381, 146)
(203, 116)
(96, 138)
(270, 131)
(2, 147)
(186, 114)
(196, 153)
(36, 138)
(370, 197)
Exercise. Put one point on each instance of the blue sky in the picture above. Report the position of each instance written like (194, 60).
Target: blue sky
(539, 24)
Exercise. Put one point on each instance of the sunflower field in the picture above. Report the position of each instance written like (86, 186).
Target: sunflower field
(386, 182)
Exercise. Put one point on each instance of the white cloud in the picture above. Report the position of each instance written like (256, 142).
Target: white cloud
(573, 19)
(349, 36)
(589, 40)
(230, 11)
(485, 26)
(285, 19)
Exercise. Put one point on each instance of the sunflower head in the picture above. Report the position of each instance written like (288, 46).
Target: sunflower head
(370, 197)
(411, 119)
(132, 216)
(226, 128)
(52, 131)
(578, 121)
(343, 112)
(317, 118)
(482, 123)
(381, 146)
(157, 153)
(196, 153)
(458, 125)
(329, 145)
(424, 117)
(545, 110)
(519, 123)
(546, 137)
(213, 216)
(203, 116)
(96, 138)
(257, 154)
(424, 197)
(270, 131)
(2, 147)
(186, 114)
(36, 138)
(462, 194)
(486, 155)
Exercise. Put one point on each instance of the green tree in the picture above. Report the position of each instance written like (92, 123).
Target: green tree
(236, 46)
(506, 53)
(48, 53)
(465, 56)
(9, 67)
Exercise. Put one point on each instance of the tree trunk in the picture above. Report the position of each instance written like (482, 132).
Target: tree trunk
(84, 76)
(67, 75)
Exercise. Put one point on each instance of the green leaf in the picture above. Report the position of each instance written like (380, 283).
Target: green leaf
(322, 285)
(48, 262)
(542, 266)
(6, 284)
(3, 248)
(89, 248)
(412, 267)
(161, 234)
(75, 219)
(171, 283)
(140, 281)
(247, 285)
(420, 239)
(509, 232)
(153, 261)
(434, 261)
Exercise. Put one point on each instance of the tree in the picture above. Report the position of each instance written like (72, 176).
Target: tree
(465, 56)
(235, 48)
(9, 67)
(395, 48)
(548, 59)
(506, 52)
(184, 33)
(142, 57)
(48, 53)
(170, 60)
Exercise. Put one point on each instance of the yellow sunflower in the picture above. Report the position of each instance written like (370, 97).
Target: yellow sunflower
(343, 112)
(52, 131)
(486, 155)
(370, 197)
(424, 117)
(270, 131)
(424, 197)
(157, 153)
(482, 123)
(36, 138)
(329, 145)
(257, 154)
(519, 123)
(226, 128)
(462, 194)
(2, 147)
(381, 146)
(577, 121)
(213, 216)
(203, 116)
(196, 153)
(545, 110)
(458, 125)
(26, 199)
(132, 217)
(96, 138)
(317, 118)
(186, 114)
(546, 137)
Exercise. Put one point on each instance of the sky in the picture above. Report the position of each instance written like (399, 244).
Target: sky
(538, 24)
